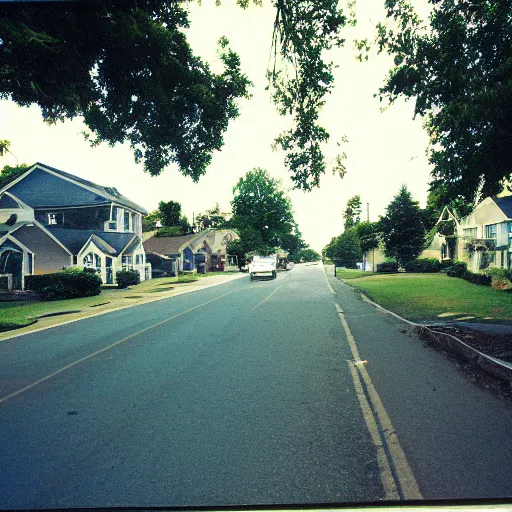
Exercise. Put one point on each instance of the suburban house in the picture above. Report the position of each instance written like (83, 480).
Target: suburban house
(482, 239)
(203, 252)
(50, 220)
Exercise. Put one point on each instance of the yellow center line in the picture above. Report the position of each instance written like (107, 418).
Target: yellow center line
(85, 358)
(268, 296)
(403, 471)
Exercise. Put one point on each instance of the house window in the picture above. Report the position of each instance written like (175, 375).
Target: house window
(127, 261)
(491, 231)
(55, 218)
(487, 259)
(137, 259)
(88, 260)
(469, 232)
(127, 221)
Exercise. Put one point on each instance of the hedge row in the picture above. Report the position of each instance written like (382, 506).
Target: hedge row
(387, 267)
(64, 285)
(423, 265)
(459, 269)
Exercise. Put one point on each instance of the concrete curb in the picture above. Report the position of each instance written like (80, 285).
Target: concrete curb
(492, 365)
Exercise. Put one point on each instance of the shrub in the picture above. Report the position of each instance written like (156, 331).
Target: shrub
(423, 265)
(445, 265)
(481, 279)
(501, 278)
(127, 278)
(457, 269)
(75, 270)
(170, 231)
(387, 267)
(64, 285)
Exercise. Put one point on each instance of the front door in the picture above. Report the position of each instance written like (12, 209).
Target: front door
(11, 262)
(108, 270)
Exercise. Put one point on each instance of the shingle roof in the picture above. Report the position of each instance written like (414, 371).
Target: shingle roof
(74, 239)
(41, 189)
(505, 204)
(167, 245)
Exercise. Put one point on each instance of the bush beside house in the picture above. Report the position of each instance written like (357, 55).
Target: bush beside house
(127, 278)
(427, 265)
(387, 267)
(64, 285)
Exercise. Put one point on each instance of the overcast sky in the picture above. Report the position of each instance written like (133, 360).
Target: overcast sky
(385, 149)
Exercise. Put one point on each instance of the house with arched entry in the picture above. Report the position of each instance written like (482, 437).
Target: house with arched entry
(50, 220)
(196, 252)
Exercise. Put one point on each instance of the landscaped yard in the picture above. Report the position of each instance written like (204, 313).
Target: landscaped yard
(18, 314)
(420, 297)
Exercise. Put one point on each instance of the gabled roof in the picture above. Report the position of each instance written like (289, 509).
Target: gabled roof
(43, 186)
(75, 239)
(167, 245)
(505, 205)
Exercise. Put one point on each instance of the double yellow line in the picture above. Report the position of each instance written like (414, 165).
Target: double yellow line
(395, 473)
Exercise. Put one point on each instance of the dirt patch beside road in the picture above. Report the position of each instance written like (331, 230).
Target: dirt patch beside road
(495, 345)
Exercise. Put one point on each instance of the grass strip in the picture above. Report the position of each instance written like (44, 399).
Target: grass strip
(420, 297)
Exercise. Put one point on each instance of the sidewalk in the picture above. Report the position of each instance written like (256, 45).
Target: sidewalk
(128, 299)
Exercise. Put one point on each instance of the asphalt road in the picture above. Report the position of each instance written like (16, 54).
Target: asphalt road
(244, 393)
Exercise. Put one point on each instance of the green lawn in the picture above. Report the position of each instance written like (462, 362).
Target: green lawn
(349, 273)
(434, 296)
(19, 314)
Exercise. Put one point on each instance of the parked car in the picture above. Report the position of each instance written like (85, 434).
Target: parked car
(266, 265)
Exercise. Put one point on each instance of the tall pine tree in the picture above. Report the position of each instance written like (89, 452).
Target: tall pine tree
(402, 228)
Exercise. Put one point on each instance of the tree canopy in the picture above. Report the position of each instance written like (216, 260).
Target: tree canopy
(352, 212)
(458, 68)
(212, 218)
(260, 204)
(169, 213)
(126, 68)
(10, 173)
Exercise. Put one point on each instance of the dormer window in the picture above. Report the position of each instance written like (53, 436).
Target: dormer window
(55, 219)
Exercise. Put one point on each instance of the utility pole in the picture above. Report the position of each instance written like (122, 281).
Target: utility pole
(368, 212)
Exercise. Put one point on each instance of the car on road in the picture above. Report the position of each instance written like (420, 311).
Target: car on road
(263, 265)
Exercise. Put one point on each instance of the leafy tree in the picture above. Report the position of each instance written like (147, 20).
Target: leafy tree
(345, 249)
(169, 213)
(212, 218)
(292, 243)
(458, 68)
(303, 32)
(368, 234)
(403, 232)
(260, 204)
(10, 173)
(126, 68)
(250, 241)
(170, 231)
(149, 221)
(307, 255)
(352, 212)
(185, 225)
